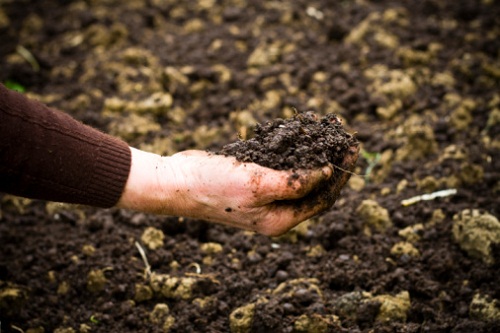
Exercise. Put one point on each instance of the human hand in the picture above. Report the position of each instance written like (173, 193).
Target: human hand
(216, 188)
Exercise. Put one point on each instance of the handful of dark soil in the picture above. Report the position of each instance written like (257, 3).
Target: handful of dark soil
(304, 141)
(301, 142)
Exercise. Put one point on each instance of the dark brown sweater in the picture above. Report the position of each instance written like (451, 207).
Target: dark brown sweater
(46, 154)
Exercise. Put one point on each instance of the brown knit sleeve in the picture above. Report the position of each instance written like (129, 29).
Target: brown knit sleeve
(46, 154)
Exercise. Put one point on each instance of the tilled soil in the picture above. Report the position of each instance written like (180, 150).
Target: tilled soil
(417, 81)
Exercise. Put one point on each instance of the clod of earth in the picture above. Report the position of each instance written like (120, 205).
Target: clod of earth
(16, 203)
(84, 328)
(315, 323)
(476, 232)
(158, 103)
(96, 281)
(373, 216)
(315, 251)
(12, 297)
(211, 248)
(288, 296)
(404, 249)
(393, 308)
(412, 233)
(63, 288)
(161, 317)
(391, 87)
(484, 308)
(153, 238)
(419, 142)
(182, 287)
(205, 302)
(387, 308)
(172, 286)
(240, 320)
(347, 304)
(304, 141)
(88, 250)
(132, 126)
(142, 293)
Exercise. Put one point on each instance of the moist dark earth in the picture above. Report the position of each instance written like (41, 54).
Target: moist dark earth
(416, 82)
(303, 141)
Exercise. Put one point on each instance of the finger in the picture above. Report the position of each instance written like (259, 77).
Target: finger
(351, 157)
(342, 175)
(288, 185)
(282, 218)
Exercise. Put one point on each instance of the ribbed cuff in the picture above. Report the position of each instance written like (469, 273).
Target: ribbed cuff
(112, 168)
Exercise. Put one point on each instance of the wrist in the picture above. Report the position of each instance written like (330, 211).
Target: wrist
(146, 189)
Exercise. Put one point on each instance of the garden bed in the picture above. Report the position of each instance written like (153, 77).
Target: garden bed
(416, 82)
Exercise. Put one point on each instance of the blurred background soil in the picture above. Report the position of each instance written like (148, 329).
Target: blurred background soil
(418, 81)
